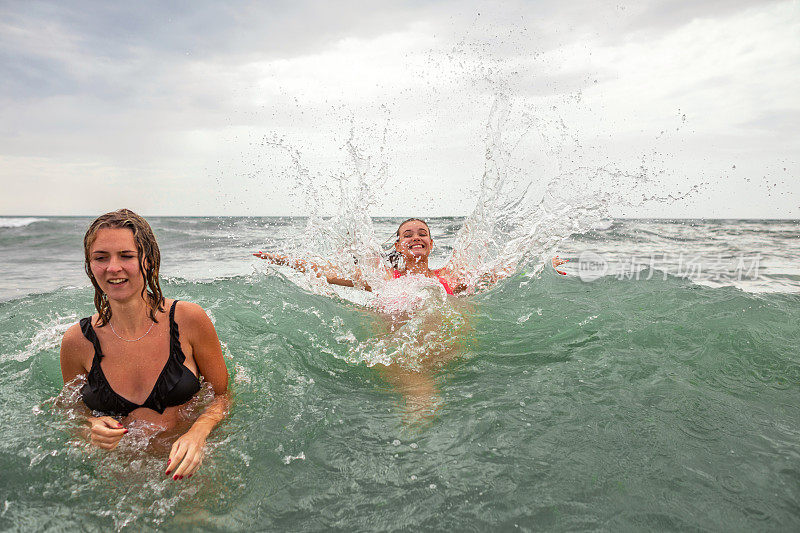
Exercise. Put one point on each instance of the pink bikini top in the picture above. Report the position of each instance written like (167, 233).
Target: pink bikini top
(396, 274)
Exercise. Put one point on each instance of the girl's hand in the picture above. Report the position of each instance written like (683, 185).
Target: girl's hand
(186, 455)
(106, 432)
(558, 262)
(276, 259)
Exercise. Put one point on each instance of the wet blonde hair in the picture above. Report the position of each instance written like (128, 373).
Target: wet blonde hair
(149, 260)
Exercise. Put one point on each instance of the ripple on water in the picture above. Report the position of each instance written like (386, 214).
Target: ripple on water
(732, 484)
(700, 421)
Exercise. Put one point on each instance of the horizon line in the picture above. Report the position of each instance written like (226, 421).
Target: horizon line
(401, 216)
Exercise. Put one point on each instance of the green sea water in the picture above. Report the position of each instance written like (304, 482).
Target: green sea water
(611, 405)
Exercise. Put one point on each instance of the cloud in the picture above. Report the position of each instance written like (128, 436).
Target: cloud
(784, 122)
(178, 97)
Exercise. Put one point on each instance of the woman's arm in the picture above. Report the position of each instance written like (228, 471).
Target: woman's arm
(284, 260)
(188, 450)
(72, 354)
(488, 278)
(105, 432)
(459, 285)
(332, 276)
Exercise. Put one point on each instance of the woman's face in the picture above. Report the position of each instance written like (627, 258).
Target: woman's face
(114, 262)
(414, 241)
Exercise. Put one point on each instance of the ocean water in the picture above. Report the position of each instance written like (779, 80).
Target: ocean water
(656, 386)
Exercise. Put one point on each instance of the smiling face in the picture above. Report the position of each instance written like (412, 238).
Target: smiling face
(414, 241)
(114, 262)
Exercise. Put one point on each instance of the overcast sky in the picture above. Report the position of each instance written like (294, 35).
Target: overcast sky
(246, 108)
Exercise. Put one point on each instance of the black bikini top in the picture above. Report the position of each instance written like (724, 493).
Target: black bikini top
(175, 385)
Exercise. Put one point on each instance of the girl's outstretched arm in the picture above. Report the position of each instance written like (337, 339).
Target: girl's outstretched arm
(487, 279)
(301, 265)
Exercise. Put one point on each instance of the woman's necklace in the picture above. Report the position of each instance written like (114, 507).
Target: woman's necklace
(131, 340)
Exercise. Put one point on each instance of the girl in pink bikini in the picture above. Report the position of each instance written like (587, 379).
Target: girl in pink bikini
(413, 246)
(436, 332)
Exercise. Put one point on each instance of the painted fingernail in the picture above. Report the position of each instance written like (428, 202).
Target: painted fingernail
(166, 473)
(169, 461)
(175, 478)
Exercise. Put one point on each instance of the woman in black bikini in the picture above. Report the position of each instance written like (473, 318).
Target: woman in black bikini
(142, 354)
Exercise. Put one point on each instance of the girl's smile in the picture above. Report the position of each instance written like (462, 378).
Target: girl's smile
(114, 262)
(414, 240)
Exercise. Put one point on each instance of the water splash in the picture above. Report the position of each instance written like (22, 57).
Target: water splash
(424, 326)
(344, 241)
(48, 335)
(132, 478)
(520, 218)
(537, 189)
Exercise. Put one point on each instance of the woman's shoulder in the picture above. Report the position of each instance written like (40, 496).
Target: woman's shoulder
(197, 328)
(188, 314)
(73, 333)
(74, 339)
(443, 272)
(453, 281)
(76, 352)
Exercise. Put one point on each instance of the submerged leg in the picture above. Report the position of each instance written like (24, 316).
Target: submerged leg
(418, 389)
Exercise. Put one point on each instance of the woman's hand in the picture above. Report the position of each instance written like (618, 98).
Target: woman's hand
(106, 432)
(187, 454)
(277, 259)
(557, 263)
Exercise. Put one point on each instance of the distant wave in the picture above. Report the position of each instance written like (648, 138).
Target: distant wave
(18, 222)
(603, 225)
